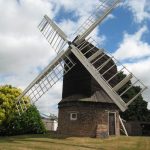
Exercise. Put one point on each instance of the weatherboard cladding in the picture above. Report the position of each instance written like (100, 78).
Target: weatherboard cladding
(79, 85)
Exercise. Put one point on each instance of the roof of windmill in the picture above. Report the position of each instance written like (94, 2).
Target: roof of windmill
(98, 96)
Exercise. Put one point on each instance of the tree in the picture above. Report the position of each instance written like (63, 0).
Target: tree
(137, 110)
(8, 98)
(28, 123)
(13, 123)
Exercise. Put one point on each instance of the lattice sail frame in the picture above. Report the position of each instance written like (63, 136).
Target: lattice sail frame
(47, 79)
(54, 71)
(53, 34)
(94, 56)
(97, 16)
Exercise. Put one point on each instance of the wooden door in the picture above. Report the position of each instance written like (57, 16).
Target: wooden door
(112, 124)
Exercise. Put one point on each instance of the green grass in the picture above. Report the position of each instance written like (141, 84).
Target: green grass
(47, 142)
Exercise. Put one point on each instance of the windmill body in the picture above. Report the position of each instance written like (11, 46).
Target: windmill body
(85, 98)
(91, 98)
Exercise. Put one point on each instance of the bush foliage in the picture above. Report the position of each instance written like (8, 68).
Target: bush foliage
(11, 123)
(28, 122)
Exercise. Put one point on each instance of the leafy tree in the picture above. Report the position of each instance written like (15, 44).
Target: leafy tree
(137, 110)
(28, 123)
(11, 122)
(8, 98)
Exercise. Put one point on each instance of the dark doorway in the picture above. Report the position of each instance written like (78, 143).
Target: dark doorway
(145, 128)
(112, 124)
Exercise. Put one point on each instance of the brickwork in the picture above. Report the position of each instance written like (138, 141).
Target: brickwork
(92, 119)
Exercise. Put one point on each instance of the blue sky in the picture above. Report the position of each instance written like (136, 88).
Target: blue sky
(125, 33)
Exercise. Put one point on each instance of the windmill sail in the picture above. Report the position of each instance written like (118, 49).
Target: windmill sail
(46, 79)
(55, 70)
(95, 61)
(104, 8)
(53, 34)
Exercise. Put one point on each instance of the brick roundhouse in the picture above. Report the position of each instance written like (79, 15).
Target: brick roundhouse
(85, 108)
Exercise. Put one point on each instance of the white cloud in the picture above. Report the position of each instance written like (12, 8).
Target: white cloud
(140, 9)
(23, 50)
(132, 47)
(21, 43)
(81, 8)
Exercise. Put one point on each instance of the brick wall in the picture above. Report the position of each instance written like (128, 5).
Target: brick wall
(92, 119)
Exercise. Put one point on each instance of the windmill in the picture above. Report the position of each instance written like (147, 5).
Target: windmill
(83, 57)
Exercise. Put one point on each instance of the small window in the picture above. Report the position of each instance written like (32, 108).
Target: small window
(73, 116)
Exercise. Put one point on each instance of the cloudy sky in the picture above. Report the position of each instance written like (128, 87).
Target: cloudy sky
(24, 51)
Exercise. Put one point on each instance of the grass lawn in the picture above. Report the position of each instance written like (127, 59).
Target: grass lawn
(47, 142)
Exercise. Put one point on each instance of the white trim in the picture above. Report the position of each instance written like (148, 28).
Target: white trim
(73, 118)
(124, 128)
(115, 114)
